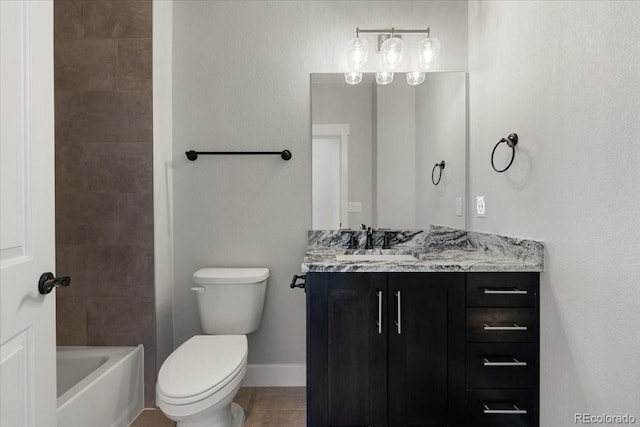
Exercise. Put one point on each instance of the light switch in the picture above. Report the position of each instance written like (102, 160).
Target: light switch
(355, 207)
(458, 206)
(481, 207)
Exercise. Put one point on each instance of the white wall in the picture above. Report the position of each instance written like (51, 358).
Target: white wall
(241, 81)
(163, 178)
(441, 110)
(564, 76)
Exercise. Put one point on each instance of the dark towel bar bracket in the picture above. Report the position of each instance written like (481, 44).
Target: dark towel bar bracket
(511, 141)
(193, 155)
(433, 171)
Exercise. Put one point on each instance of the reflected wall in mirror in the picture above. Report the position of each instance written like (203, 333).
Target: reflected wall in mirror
(374, 149)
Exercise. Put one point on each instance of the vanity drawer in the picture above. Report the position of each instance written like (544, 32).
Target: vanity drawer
(502, 289)
(501, 365)
(501, 408)
(501, 325)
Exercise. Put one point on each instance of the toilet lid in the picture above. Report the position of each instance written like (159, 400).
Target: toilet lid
(202, 363)
(230, 276)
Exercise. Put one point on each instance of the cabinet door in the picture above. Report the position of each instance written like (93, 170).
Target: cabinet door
(346, 350)
(426, 349)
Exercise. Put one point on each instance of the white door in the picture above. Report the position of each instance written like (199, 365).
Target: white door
(325, 183)
(329, 176)
(27, 249)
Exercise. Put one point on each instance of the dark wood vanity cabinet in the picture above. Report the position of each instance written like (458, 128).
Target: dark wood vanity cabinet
(346, 352)
(425, 364)
(422, 349)
(502, 351)
(385, 349)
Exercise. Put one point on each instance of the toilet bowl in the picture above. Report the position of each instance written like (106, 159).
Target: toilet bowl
(199, 380)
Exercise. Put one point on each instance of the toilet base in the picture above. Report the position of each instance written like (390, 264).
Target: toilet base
(238, 415)
(233, 418)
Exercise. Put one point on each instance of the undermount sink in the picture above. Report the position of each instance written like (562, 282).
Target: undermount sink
(376, 257)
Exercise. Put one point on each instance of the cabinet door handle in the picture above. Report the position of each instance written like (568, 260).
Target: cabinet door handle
(515, 362)
(515, 327)
(379, 322)
(514, 411)
(505, 292)
(399, 316)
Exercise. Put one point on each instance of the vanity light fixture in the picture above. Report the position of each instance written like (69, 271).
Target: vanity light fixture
(357, 53)
(429, 50)
(391, 48)
(384, 77)
(415, 77)
(353, 77)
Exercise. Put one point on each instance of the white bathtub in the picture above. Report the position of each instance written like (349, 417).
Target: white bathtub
(99, 386)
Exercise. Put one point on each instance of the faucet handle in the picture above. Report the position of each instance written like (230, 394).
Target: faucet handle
(386, 240)
(353, 240)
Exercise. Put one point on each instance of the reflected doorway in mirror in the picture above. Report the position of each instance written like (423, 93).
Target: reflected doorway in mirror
(330, 176)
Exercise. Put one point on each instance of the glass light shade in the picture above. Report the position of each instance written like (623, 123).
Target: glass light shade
(353, 77)
(392, 49)
(428, 51)
(357, 53)
(415, 77)
(384, 78)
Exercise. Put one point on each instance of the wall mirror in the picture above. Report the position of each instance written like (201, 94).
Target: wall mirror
(374, 149)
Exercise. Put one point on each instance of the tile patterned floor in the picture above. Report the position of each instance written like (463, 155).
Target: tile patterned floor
(263, 407)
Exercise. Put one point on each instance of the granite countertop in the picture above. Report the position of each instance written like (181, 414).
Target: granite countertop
(438, 249)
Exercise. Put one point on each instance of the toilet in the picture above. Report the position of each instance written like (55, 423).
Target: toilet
(198, 381)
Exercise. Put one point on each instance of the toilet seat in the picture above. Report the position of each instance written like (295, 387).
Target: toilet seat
(200, 367)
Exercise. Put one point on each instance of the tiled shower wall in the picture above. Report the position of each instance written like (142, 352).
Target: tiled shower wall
(104, 199)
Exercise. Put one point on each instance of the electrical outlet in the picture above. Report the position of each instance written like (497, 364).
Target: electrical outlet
(355, 207)
(481, 207)
(458, 206)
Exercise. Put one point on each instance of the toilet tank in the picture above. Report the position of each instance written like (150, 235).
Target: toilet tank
(230, 300)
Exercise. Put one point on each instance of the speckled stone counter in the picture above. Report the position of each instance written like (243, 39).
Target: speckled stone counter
(438, 249)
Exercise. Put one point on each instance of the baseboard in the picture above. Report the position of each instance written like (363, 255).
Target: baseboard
(287, 375)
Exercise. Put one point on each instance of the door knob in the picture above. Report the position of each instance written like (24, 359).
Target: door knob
(48, 281)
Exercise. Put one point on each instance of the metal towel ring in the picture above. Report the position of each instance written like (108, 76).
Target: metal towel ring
(511, 141)
(438, 165)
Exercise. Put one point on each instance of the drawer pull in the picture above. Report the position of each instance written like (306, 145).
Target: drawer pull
(515, 362)
(514, 291)
(399, 308)
(515, 327)
(379, 322)
(514, 411)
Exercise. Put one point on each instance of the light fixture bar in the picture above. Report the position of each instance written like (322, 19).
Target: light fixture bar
(393, 30)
